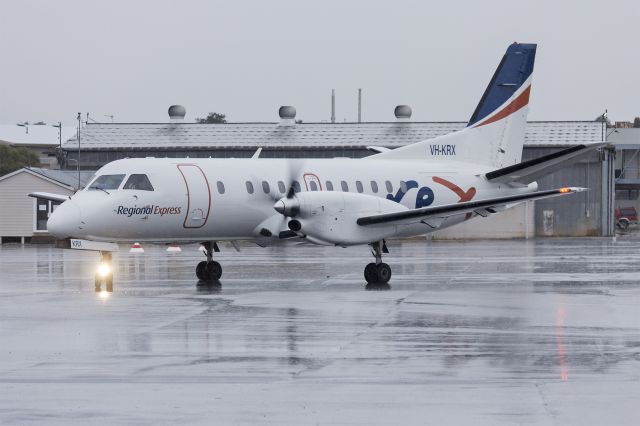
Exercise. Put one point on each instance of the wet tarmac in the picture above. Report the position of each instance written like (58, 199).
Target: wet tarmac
(485, 332)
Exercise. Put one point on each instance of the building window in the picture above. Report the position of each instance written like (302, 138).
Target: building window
(359, 186)
(281, 187)
(220, 187)
(329, 185)
(44, 208)
(265, 187)
(313, 185)
(374, 186)
(249, 187)
(345, 187)
(389, 186)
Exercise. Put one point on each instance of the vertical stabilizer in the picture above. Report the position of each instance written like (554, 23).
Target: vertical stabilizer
(494, 135)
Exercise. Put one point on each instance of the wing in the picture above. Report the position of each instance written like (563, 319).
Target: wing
(482, 207)
(49, 196)
(528, 171)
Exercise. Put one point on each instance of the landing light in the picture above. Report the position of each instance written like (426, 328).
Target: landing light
(104, 295)
(565, 190)
(104, 270)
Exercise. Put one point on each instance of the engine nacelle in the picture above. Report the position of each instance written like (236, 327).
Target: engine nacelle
(328, 217)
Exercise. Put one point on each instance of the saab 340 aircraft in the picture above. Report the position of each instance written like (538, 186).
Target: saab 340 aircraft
(409, 191)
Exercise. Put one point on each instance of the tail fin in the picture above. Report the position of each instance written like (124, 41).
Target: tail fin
(495, 133)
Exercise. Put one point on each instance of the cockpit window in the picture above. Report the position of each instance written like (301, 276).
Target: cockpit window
(139, 182)
(106, 182)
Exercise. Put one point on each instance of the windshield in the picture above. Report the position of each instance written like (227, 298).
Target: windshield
(107, 182)
(140, 182)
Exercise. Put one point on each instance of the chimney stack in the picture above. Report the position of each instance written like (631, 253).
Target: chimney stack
(177, 113)
(287, 115)
(402, 113)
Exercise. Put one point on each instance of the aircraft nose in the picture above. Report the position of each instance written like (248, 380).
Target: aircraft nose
(65, 220)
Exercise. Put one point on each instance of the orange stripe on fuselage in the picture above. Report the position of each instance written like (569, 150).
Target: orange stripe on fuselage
(519, 102)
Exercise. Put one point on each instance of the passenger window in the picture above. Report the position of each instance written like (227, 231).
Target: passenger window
(220, 187)
(281, 187)
(107, 182)
(329, 185)
(296, 186)
(374, 186)
(265, 187)
(249, 187)
(359, 186)
(344, 186)
(313, 185)
(389, 186)
(403, 186)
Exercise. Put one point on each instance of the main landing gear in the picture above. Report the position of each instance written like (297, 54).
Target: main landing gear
(104, 274)
(209, 270)
(378, 272)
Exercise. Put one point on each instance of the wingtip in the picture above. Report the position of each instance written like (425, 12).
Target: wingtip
(572, 189)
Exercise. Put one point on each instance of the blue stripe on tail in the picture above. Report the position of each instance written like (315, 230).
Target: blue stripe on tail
(514, 69)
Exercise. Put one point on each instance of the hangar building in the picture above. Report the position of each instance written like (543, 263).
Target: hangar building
(587, 213)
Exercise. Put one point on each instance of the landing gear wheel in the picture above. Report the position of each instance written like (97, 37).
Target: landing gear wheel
(384, 273)
(371, 273)
(214, 270)
(201, 270)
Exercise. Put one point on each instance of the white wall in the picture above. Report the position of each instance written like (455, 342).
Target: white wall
(17, 212)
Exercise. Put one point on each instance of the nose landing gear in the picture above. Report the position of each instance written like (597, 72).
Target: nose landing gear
(209, 270)
(378, 272)
(104, 274)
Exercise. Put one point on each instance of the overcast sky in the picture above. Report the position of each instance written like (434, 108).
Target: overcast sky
(133, 59)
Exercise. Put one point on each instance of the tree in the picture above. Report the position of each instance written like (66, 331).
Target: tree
(212, 118)
(12, 159)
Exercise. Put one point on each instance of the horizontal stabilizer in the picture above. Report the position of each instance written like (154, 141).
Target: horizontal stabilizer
(431, 216)
(529, 171)
(49, 196)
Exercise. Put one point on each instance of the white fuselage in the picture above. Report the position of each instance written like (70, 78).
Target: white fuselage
(208, 199)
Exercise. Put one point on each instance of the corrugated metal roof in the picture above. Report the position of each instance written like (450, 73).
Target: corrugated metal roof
(322, 135)
(621, 137)
(65, 177)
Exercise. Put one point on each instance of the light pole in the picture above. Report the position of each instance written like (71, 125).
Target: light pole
(79, 123)
(59, 154)
(59, 127)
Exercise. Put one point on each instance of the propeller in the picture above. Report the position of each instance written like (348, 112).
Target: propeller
(287, 206)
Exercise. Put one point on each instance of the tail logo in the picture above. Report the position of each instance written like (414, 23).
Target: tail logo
(461, 193)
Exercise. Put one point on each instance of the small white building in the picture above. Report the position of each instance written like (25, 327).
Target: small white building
(23, 218)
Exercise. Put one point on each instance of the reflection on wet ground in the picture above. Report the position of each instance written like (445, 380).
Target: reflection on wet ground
(486, 332)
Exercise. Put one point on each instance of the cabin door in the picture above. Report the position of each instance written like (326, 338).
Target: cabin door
(198, 195)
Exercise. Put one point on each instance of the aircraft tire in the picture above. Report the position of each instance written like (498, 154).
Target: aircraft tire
(371, 273)
(201, 270)
(214, 270)
(384, 273)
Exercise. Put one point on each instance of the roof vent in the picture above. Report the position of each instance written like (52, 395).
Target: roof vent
(403, 112)
(287, 115)
(177, 112)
